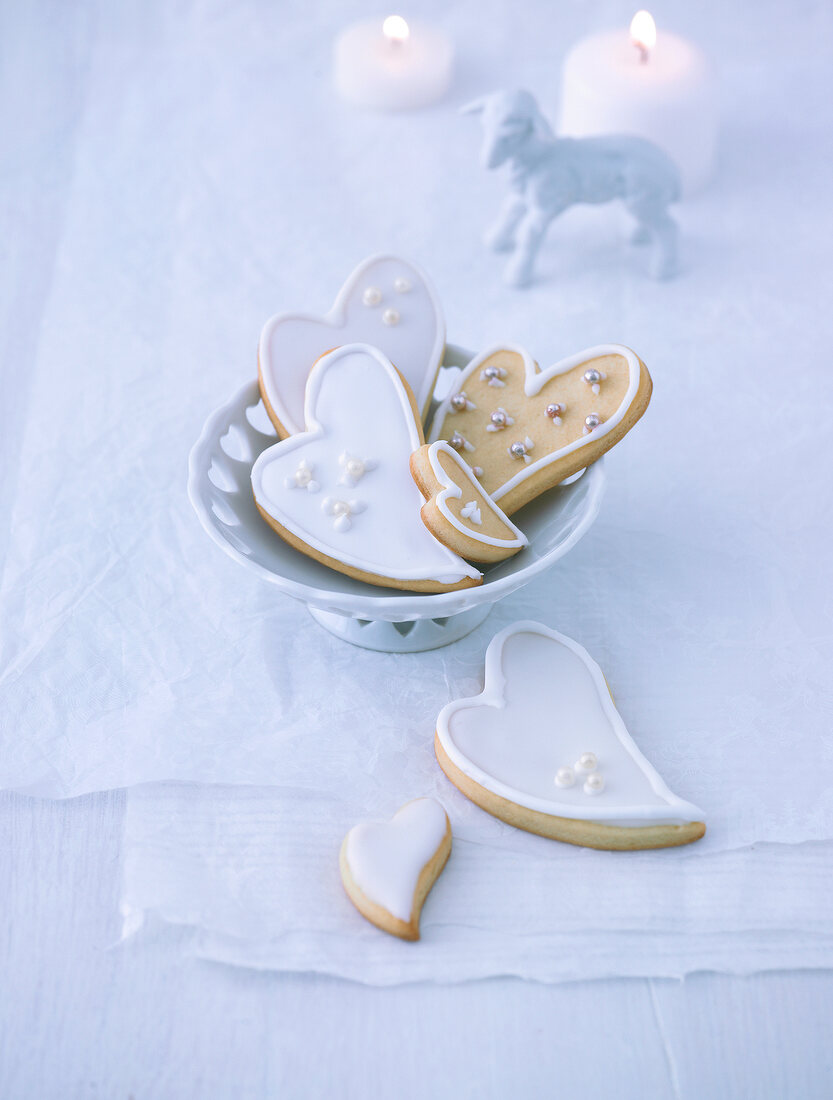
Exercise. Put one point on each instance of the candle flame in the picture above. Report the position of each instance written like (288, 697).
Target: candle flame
(395, 29)
(643, 32)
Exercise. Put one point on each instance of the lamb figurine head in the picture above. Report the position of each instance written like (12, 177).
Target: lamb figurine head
(509, 120)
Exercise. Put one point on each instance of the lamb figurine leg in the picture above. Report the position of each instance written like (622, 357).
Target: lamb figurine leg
(550, 174)
(500, 236)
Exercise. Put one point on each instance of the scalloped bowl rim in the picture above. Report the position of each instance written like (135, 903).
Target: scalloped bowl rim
(391, 606)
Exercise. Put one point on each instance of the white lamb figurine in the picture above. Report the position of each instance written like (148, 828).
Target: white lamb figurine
(549, 174)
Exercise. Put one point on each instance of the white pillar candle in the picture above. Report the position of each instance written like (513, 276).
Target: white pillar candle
(622, 82)
(391, 66)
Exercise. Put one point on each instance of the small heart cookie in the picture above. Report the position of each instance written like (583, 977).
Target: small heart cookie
(342, 492)
(529, 429)
(544, 749)
(386, 302)
(458, 511)
(389, 867)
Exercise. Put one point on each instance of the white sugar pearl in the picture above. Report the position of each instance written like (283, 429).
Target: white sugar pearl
(372, 296)
(594, 784)
(565, 777)
(391, 316)
(355, 468)
(401, 285)
(587, 762)
(340, 508)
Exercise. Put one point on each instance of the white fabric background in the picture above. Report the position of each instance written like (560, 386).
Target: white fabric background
(181, 176)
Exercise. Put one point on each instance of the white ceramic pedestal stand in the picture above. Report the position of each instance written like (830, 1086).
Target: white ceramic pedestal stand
(219, 488)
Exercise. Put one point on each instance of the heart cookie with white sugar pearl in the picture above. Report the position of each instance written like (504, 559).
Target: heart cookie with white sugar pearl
(388, 868)
(544, 749)
(528, 429)
(341, 491)
(458, 511)
(386, 302)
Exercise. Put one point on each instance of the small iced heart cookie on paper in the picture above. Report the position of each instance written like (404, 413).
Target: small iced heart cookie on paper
(386, 302)
(528, 429)
(341, 491)
(389, 867)
(458, 511)
(544, 748)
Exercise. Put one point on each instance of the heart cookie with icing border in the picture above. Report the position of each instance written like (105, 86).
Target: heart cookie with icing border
(388, 868)
(341, 491)
(458, 511)
(544, 749)
(528, 429)
(386, 302)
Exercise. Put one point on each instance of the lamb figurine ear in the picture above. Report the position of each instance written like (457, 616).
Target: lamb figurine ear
(541, 128)
(523, 105)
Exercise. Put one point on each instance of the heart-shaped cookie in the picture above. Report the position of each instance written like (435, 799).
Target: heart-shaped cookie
(389, 867)
(341, 491)
(529, 429)
(544, 748)
(386, 302)
(458, 511)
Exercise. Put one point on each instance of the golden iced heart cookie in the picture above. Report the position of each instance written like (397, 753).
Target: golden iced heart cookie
(528, 429)
(386, 302)
(341, 491)
(458, 511)
(388, 868)
(544, 749)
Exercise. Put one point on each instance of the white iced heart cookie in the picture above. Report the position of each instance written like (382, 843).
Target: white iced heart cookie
(544, 748)
(389, 867)
(341, 491)
(386, 302)
(530, 429)
(458, 510)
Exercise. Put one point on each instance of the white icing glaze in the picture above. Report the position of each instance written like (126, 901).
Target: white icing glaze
(471, 512)
(291, 342)
(354, 468)
(342, 510)
(302, 478)
(534, 382)
(356, 400)
(545, 700)
(452, 491)
(596, 388)
(386, 858)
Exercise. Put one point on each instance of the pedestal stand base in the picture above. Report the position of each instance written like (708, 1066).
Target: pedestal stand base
(410, 636)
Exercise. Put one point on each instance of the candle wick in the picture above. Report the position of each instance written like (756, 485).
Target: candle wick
(643, 53)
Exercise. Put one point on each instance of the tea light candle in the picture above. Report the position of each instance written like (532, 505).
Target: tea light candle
(391, 65)
(651, 83)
